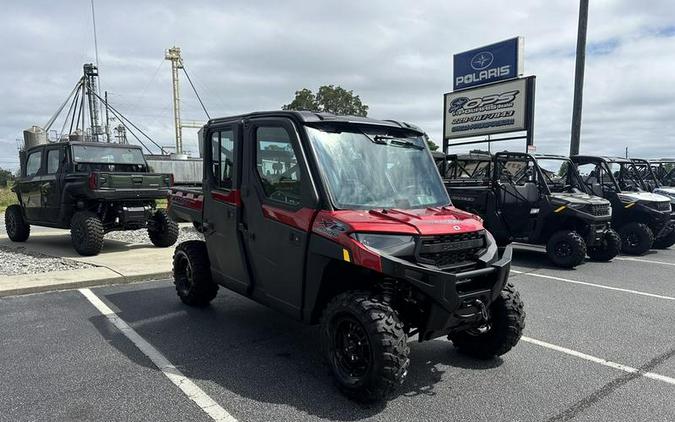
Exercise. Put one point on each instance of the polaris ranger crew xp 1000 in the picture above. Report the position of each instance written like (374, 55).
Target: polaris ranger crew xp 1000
(344, 221)
(643, 219)
(536, 200)
(91, 188)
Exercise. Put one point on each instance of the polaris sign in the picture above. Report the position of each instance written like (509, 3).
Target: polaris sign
(492, 63)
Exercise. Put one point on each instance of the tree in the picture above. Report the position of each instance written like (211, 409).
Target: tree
(330, 99)
(6, 177)
(432, 145)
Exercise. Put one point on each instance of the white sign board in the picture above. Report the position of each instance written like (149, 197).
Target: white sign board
(496, 108)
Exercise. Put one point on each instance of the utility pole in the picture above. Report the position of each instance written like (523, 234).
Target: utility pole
(579, 77)
(173, 55)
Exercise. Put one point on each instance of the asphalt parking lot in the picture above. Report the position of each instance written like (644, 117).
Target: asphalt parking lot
(599, 346)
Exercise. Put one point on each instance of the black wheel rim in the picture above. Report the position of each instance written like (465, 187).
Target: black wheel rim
(632, 239)
(78, 234)
(11, 224)
(352, 352)
(183, 274)
(563, 249)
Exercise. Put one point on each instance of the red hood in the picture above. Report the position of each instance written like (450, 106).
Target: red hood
(427, 221)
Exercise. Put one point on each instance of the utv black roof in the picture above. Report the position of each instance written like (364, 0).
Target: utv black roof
(555, 156)
(88, 144)
(312, 117)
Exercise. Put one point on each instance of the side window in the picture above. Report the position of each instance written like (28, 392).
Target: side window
(33, 163)
(222, 144)
(53, 160)
(277, 165)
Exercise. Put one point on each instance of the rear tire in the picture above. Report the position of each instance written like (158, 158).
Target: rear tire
(163, 231)
(566, 249)
(192, 274)
(366, 346)
(86, 233)
(611, 246)
(636, 238)
(15, 225)
(666, 241)
(505, 327)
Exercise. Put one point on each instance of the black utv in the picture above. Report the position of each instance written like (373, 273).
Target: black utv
(90, 188)
(344, 221)
(652, 182)
(664, 170)
(643, 219)
(536, 200)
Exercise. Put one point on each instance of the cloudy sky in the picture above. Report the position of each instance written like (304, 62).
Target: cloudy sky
(252, 55)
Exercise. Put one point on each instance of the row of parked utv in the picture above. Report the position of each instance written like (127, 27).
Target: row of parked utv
(574, 207)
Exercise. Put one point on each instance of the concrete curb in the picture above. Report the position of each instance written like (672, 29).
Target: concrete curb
(66, 280)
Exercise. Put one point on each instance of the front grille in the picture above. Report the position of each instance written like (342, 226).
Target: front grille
(597, 210)
(659, 206)
(451, 250)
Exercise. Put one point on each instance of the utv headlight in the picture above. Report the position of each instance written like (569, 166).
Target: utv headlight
(626, 198)
(575, 205)
(390, 244)
(490, 252)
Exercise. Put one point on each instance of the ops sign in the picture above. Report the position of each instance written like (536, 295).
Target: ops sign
(491, 63)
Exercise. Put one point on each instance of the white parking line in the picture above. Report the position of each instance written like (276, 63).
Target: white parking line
(649, 261)
(191, 390)
(601, 361)
(600, 286)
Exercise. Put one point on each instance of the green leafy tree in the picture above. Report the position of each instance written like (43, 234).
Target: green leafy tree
(330, 99)
(6, 177)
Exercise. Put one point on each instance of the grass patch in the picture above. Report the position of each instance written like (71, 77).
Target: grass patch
(7, 198)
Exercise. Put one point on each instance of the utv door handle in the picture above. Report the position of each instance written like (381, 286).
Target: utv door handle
(294, 238)
(244, 230)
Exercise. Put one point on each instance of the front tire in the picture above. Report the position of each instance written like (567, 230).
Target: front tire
(163, 231)
(86, 233)
(636, 238)
(17, 228)
(366, 346)
(566, 249)
(504, 328)
(666, 241)
(192, 274)
(610, 247)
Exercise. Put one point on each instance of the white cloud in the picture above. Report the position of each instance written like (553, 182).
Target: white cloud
(396, 55)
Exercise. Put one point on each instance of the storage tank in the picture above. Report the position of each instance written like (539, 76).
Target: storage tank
(34, 136)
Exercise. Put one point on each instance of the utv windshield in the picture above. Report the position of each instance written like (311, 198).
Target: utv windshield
(371, 168)
(627, 176)
(560, 175)
(646, 174)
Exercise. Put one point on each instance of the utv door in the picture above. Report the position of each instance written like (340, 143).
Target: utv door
(29, 186)
(222, 207)
(51, 183)
(517, 194)
(278, 202)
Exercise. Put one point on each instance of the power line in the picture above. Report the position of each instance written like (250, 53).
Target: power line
(121, 116)
(195, 91)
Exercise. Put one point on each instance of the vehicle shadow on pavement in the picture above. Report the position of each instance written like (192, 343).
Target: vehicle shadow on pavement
(60, 245)
(258, 354)
(534, 260)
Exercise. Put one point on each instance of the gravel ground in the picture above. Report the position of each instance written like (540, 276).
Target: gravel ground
(141, 235)
(17, 261)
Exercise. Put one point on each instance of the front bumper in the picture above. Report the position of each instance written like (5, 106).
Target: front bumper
(453, 296)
